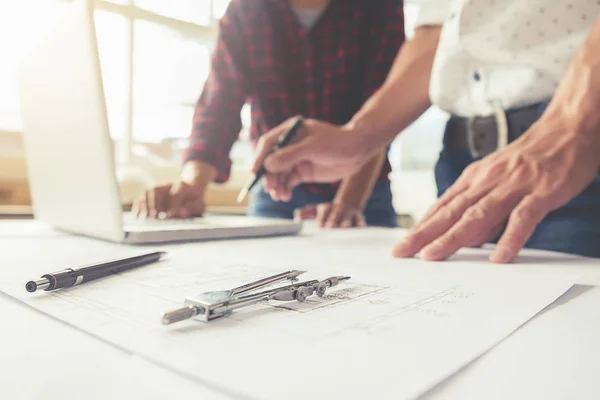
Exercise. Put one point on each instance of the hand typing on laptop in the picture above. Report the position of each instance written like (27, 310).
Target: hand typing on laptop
(183, 198)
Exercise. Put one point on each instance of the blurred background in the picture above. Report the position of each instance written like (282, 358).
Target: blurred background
(155, 57)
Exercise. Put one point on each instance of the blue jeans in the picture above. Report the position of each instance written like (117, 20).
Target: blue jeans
(379, 210)
(573, 228)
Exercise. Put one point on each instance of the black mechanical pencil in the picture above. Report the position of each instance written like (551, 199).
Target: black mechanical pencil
(76, 276)
(283, 141)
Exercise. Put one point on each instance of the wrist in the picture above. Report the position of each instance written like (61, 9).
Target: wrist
(355, 138)
(580, 125)
(348, 198)
(198, 174)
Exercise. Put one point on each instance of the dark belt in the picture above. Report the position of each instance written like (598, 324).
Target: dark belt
(484, 135)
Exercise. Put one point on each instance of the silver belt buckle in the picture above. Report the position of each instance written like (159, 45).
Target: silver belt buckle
(501, 130)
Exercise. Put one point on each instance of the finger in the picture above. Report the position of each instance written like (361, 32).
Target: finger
(304, 172)
(429, 230)
(284, 194)
(136, 206)
(176, 200)
(151, 203)
(348, 220)
(286, 159)
(460, 186)
(277, 186)
(195, 207)
(161, 199)
(266, 143)
(335, 217)
(142, 206)
(359, 220)
(270, 182)
(491, 235)
(521, 224)
(308, 212)
(474, 225)
(323, 211)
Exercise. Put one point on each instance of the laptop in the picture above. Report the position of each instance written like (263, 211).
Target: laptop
(69, 151)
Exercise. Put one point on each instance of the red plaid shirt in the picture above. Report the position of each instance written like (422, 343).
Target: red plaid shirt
(266, 58)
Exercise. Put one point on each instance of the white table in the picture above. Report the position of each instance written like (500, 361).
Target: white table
(554, 356)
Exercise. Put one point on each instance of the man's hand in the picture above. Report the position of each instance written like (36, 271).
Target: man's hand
(346, 209)
(176, 200)
(515, 188)
(320, 152)
(332, 215)
(181, 199)
(327, 153)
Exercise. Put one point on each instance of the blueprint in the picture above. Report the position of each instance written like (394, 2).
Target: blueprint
(396, 328)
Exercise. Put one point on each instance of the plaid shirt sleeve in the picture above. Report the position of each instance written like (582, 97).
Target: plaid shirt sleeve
(217, 122)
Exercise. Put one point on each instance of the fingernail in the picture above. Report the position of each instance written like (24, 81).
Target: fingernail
(501, 255)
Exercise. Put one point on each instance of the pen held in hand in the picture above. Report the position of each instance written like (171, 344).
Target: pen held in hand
(284, 140)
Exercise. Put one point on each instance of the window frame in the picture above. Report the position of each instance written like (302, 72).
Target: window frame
(132, 12)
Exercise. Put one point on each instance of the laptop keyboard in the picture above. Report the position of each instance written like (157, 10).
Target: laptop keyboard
(130, 220)
(163, 222)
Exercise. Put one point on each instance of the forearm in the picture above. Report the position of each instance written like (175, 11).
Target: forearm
(576, 102)
(198, 174)
(404, 95)
(356, 189)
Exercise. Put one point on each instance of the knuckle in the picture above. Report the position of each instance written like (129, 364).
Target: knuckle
(523, 173)
(448, 239)
(471, 170)
(445, 213)
(475, 213)
(416, 236)
(525, 214)
(491, 172)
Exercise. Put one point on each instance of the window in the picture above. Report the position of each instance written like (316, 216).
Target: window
(196, 12)
(169, 71)
(154, 57)
(414, 153)
(417, 148)
(19, 29)
(113, 51)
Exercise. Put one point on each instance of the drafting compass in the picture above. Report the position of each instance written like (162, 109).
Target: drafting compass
(211, 305)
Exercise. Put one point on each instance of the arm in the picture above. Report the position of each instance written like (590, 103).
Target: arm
(404, 95)
(346, 210)
(550, 164)
(356, 190)
(389, 111)
(327, 152)
(216, 121)
(386, 36)
(216, 125)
